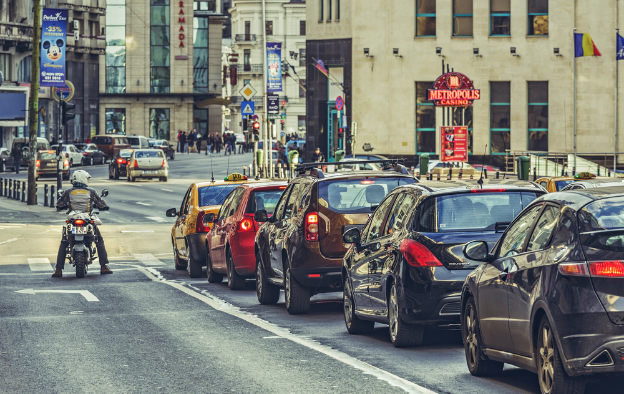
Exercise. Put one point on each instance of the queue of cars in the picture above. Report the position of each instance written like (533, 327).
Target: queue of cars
(532, 279)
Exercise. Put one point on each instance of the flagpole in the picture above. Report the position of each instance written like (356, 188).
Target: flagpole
(617, 63)
(574, 36)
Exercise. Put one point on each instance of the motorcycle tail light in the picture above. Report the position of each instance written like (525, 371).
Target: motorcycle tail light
(607, 268)
(79, 222)
(199, 227)
(38, 164)
(311, 226)
(417, 254)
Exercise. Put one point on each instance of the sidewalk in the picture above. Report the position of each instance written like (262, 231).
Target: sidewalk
(13, 211)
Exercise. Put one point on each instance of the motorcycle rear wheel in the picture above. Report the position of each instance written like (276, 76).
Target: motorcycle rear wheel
(79, 261)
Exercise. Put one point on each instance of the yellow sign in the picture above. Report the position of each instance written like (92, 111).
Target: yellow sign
(584, 175)
(235, 177)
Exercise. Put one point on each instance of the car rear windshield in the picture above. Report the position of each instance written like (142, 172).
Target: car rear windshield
(134, 140)
(471, 212)
(148, 154)
(561, 184)
(360, 195)
(214, 195)
(47, 155)
(263, 199)
(102, 140)
(125, 153)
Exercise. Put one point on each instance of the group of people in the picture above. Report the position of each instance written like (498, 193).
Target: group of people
(189, 142)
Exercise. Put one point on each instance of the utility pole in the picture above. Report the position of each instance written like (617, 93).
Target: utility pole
(265, 120)
(33, 104)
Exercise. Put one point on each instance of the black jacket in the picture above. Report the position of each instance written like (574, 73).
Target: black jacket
(82, 199)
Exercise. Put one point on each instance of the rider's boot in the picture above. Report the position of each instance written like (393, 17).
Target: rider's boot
(58, 273)
(105, 270)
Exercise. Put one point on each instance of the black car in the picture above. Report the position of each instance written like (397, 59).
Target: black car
(90, 154)
(119, 163)
(164, 145)
(406, 269)
(548, 297)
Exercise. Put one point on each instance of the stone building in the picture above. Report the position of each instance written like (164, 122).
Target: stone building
(162, 60)
(389, 53)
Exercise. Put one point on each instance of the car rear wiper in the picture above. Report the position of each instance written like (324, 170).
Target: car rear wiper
(501, 226)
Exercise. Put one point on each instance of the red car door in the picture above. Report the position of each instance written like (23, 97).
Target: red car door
(222, 226)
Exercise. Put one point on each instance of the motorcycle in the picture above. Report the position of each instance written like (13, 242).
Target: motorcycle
(79, 231)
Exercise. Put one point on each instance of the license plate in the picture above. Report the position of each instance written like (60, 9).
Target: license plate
(150, 172)
(51, 164)
(79, 230)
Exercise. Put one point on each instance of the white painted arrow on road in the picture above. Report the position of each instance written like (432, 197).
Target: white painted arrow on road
(85, 293)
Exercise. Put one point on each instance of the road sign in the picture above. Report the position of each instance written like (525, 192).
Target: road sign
(64, 93)
(339, 103)
(282, 134)
(247, 92)
(248, 107)
(254, 118)
(283, 116)
(273, 105)
(273, 116)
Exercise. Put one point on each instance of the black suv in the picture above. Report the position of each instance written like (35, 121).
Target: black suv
(406, 267)
(300, 247)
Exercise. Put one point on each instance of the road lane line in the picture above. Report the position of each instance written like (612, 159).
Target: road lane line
(232, 310)
(40, 264)
(9, 240)
(167, 190)
(148, 259)
(156, 218)
(142, 203)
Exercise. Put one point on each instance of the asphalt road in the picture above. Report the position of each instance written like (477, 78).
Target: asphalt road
(150, 328)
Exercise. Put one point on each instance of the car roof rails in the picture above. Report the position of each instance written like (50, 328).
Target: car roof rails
(312, 169)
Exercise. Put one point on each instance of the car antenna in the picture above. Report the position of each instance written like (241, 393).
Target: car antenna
(211, 169)
(480, 181)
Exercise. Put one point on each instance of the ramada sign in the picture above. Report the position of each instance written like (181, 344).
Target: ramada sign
(453, 90)
(181, 19)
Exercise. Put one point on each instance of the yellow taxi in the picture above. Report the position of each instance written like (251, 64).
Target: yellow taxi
(556, 183)
(189, 233)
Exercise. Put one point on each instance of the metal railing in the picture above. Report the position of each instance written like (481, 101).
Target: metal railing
(254, 68)
(245, 37)
(561, 163)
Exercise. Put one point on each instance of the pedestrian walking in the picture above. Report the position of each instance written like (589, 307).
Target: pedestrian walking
(16, 152)
(218, 143)
(190, 139)
(198, 140)
(183, 144)
(179, 148)
(317, 156)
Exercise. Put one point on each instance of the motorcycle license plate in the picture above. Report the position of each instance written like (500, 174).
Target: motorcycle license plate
(150, 172)
(79, 230)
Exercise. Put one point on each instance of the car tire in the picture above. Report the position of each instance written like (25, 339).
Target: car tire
(355, 326)
(478, 364)
(173, 155)
(401, 333)
(552, 377)
(213, 277)
(234, 280)
(194, 267)
(176, 260)
(297, 297)
(71, 163)
(91, 161)
(268, 293)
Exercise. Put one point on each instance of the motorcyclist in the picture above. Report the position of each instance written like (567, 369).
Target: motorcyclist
(81, 202)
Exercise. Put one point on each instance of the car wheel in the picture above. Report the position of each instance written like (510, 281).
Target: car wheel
(116, 172)
(173, 155)
(213, 277)
(268, 293)
(194, 267)
(91, 161)
(71, 163)
(235, 281)
(478, 364)
(354, 325)
(297, 297)
(402, 334)
(176, 259)
(553, 379)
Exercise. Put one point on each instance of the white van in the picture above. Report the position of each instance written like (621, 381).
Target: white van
(138, 141)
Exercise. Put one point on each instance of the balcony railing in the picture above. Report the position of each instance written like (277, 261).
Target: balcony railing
(245, 37)
(16, 31)
(248, 68)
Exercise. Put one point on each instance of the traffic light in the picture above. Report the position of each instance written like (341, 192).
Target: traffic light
(256, 128)
(282, 122)
(65, 114)
(340, 132)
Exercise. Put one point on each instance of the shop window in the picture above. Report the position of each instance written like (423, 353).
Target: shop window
(159, 123)
(337, 10)
(500, 17)
(329, 11)
(200, 55)
(538, 17)
(425, 18)
(23, 70)
(301, 124)
(500, 115)
(538, 116)
(425, 120)
(321, 5)
(115, 121)
(462, 18)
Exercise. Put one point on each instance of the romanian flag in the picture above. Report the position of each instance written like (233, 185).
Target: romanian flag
(584, 46)
(321, 67)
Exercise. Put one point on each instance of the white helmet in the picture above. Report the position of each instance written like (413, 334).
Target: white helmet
(80, 178)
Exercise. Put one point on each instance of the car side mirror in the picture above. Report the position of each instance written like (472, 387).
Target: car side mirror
(261, 216)
(172, 213)
(477, 251)
(104, 193)
(208, 219)
(352, 236)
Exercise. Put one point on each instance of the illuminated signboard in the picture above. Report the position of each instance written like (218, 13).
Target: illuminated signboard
(454, 143)
(453, 90)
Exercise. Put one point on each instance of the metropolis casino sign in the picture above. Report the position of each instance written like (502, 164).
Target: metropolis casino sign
(453, 90)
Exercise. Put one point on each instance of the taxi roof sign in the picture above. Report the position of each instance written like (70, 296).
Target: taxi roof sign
(584, 175)
(235, 177)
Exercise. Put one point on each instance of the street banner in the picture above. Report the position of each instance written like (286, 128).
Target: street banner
(619, 54)
(454, 143)
(274, 66)
(53, 47)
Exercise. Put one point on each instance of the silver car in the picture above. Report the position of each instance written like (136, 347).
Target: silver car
(148, 164)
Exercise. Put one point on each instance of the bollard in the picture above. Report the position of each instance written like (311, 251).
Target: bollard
(36, 190)
(45, 195)
(450, 174)
(461, 173)
(497, 174)
(438, 176)
(534, 174)
(1, 188)
(427, 176)
(10, 193)
(23, 191)
(471, 177)
(609, 172)
(281, 171)
(563, 170)
(52, 193)
(244, 170)
(598, 170)
(418, 175)
(6, 188)
(15, 189)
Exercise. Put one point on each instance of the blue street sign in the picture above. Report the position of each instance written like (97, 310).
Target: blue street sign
(282, 134)
(248, 107)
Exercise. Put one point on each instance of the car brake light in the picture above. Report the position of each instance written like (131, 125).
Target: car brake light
(135, 164)
(38, 163)
(246, 225)
(488, 190)
(65, 162)
(199, 227)
(314, 275)
(367, 182)
(417, 255)
(164, 163)
(85, 154)
(607, 268)
(311, 227)
(573, 269)
(282, 187)
(79, 222)
(121, 161)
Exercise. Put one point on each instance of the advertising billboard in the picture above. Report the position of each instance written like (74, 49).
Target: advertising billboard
(274, 66)
(53, 47)
(454, 143)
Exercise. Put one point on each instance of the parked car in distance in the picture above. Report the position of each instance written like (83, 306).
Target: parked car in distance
(547, 297)
(294, 144)
(240, 138)
(73, 154)
(438, 166)
(557, 183)
(365, 156)
(147, 164)
(299, 247)
(165, 146)
(356, 166)
(110, 144)
(405, 267)
(138, 142)
(90, 154)
(230, 243)
(6, 160)
(47, 164)
(119, 164)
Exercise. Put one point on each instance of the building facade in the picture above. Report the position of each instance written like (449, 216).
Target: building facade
(519, 54)
(285, 22)
(161, 68)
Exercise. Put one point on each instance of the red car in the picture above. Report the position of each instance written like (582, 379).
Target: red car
(230, 242)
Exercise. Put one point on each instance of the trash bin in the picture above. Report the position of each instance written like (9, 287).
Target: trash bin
(259, 161)
(293, 157)
(339, 155)
(523, 167)
(424, 163)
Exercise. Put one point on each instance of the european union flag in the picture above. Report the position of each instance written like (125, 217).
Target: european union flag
(619, 55)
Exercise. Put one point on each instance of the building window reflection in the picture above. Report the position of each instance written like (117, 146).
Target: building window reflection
(500, 17)
(425, 120)
(500, 115)
(23, 70)
(116, 121)
(159, 123)
(115, 57)
(425, 18)
(200, 55)
(159, 46)
(538, 17)
(462, 18)
(538, 116)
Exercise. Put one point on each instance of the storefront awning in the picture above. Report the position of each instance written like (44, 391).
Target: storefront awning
(214, 101)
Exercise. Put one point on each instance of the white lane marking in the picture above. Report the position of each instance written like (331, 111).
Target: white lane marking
(167, 190)
(232, 310)
(40, 264)
(85, 293)
(9, 240)
(142, 203)
(147, 259)
(12, 224)
(142, 231)
(156, 218)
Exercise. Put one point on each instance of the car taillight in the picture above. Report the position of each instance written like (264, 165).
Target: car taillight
(607, 268)
(367, 182)
(85, 154)
(246, 225)
(573, 269)
(65, 162)
(164, 163)
(417, 254)
(135, 164)
(38, 164)
(121, 161)
(311, 226)
(199, 227)
(79, 222)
